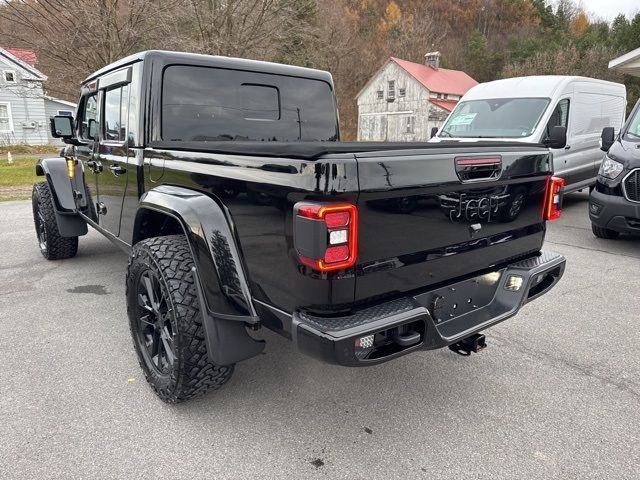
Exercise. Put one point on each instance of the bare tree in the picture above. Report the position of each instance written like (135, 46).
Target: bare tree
(75, 37)
(240, 28)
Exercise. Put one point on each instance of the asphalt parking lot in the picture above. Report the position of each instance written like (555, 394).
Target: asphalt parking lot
(555, 395)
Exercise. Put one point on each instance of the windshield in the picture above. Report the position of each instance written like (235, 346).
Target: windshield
(495, 118)
(632, 133)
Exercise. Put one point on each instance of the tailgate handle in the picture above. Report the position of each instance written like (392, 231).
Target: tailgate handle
(471, 169)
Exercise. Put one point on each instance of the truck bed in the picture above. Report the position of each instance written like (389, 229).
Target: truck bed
(418, 221)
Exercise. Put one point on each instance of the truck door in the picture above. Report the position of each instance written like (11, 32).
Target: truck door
(112, 156)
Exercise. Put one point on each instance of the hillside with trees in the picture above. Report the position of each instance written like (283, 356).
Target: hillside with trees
(488, 39)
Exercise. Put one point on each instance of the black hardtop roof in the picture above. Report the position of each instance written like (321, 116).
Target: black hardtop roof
(185, 58)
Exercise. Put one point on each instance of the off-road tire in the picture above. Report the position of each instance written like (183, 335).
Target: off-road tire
(53, 246)
(601, 232)
(192, 374)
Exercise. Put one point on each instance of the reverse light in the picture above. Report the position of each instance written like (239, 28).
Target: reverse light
(553, 198)
(326, 235)
(337, 237)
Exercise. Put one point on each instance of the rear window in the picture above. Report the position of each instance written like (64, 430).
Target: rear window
(203, 104)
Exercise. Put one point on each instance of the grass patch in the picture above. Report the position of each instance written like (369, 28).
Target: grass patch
(20, 172)
(28, 149)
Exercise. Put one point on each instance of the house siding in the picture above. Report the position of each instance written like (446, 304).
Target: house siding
(27, 105)
(383, 120)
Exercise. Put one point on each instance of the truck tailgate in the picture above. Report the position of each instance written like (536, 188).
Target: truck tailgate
(429, 216)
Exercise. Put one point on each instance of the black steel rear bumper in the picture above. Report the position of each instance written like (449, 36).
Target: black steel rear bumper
(428, 320)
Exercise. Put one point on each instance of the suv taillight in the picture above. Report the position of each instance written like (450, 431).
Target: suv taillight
(553, 198)
(326, 235)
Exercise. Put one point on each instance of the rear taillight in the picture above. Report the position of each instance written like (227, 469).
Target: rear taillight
(553, 198)
(326, 235)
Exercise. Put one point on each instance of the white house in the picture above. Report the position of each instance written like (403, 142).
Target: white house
(24, 108)
(404, 100)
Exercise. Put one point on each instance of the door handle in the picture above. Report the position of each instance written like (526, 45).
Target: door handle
(96, 167)
(117, 170)
(567, 147)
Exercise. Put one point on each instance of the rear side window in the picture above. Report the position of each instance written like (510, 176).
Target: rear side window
(116, 102)
(203, 104)
(591, 112)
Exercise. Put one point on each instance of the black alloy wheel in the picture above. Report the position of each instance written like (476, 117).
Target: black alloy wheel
(41, 230)
(156, 324)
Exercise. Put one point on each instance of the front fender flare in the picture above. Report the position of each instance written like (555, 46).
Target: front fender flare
(219, 273)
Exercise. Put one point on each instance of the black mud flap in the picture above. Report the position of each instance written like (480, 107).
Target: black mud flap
(227, 340)
(70, 224)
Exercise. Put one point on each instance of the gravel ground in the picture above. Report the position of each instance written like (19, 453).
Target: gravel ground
(555, 395)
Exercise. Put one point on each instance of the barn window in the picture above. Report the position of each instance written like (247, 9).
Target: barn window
(10, 76)
(409, 124)
(402, 92)
(391, 92)
(380, 94)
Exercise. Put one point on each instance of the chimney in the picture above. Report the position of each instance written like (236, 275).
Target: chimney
(432, 59)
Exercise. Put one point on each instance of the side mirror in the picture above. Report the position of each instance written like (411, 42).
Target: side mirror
(434, 131)
(93, 129)
(557, 137)
(607, 138)
(61, 127)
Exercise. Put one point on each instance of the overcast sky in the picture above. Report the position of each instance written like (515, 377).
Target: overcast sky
(609, 9)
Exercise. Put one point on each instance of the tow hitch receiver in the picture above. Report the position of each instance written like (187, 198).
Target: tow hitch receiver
(474, 343)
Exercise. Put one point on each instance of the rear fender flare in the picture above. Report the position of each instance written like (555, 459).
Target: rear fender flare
(70, 224)
(219, 273)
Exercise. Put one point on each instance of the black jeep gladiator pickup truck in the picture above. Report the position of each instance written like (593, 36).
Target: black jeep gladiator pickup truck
(226, 183)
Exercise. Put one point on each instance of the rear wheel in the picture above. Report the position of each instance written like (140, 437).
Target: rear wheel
(604, 232)
(166, 323)
(53, 246)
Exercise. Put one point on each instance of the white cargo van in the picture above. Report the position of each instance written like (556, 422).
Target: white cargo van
(526, 109)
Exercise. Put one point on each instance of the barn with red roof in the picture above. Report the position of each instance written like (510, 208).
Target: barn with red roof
(404, 100)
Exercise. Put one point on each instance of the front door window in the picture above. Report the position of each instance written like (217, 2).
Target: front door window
(89, 118)
(560, 116)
